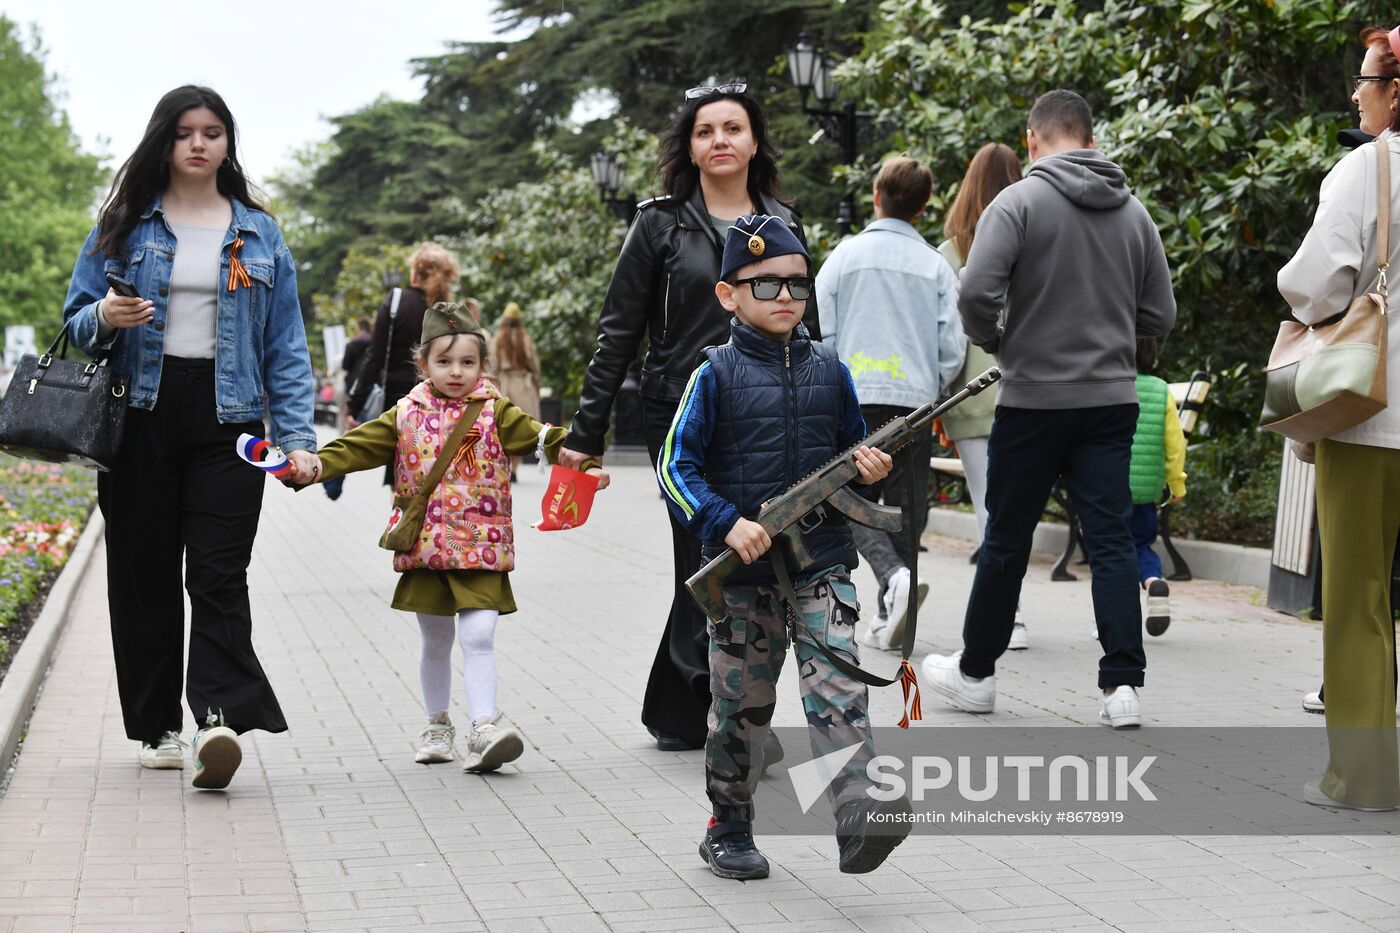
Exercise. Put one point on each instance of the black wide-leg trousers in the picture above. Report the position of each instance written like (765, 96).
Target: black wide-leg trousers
(178, 492)
(677, 700)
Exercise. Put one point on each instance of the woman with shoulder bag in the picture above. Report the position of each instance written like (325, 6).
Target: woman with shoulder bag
(717, 165)
(215, 336)
(1358, 470)
(432, 277)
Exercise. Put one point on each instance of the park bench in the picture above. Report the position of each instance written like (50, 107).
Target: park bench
(1190, 398)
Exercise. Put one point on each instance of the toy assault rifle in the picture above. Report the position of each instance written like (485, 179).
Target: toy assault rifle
(783, 516)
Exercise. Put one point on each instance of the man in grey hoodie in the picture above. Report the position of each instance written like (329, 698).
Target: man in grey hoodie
(1066, 272)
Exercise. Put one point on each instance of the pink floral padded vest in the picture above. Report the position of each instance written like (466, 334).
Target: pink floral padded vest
(466, 525)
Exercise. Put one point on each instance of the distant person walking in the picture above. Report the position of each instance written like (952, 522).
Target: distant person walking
(717, 164)
(183, 229)
(355, 349)
(889, 305)
(350, 366)
(517, 366)
(994, 167)
(433, 275)
(1158, 462)
(1358, 470)
(1067, 271)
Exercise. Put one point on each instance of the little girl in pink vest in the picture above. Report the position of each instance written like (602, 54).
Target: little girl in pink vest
(456, 576)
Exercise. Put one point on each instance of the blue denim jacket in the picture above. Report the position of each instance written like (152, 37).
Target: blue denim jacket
(261, 351)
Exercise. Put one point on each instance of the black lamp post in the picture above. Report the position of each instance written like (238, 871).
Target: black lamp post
(810, 70)
(607, 175)
(392, 278)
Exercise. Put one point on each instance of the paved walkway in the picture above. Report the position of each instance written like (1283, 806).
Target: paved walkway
(333, 827)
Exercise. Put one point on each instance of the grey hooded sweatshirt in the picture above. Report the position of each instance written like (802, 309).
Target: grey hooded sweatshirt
(1066, 271)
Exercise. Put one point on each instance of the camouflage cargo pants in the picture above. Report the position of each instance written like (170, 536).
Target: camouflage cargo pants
(747, 651)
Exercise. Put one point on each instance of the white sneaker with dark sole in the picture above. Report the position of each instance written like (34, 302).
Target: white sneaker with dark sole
(1159, 606)
(166, 755)
(435, 742)
(491, 746)
(888, 637)
(1121, 709)
(217, 755)
(1314, 703)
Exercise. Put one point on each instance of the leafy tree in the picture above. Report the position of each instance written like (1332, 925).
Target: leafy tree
(401, 171)
(48, 186)
(549, 246)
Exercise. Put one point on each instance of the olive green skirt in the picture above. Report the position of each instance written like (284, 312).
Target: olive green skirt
(444, 592)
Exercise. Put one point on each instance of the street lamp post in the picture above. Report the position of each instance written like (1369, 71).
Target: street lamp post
(607, 175)
(627, 407)
(810, 69)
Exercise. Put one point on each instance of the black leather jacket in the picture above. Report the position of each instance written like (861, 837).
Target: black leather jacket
(663, 287)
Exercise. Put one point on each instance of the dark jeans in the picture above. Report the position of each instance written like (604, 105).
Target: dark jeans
(875, 546)
(1028, 449)
(179, 492)
(677, 698)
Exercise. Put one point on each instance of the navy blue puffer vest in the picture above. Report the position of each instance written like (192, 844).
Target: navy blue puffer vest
(778, 419)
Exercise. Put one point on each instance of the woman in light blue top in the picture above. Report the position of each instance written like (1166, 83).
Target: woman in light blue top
(213, 339)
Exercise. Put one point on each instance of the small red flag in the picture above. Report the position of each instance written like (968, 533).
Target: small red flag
(567, 500)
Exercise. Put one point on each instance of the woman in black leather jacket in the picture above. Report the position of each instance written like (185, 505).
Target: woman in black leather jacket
(716, 165)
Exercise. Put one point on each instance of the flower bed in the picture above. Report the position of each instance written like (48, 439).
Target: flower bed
(43, 508)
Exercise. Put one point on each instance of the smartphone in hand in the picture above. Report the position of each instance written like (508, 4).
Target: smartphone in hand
(121, 286)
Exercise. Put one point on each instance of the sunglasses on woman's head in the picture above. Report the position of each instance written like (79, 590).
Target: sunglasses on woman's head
(705, 90)
(767, 287)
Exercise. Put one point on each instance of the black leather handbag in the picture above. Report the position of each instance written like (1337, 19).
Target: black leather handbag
(64, 411)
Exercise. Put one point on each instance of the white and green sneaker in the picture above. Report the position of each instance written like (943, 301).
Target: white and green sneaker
(435, 743)
(166, 755)
(217, 755)
(491, 746)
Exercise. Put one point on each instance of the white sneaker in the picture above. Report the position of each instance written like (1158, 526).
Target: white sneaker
(945, 678)
(887, 635)
(166, 755)
(491, 746)
(1121, 709)
(896, 604)
(1313, 703)
(1159, 606)
(217, 755)
(1018, 635)
(435, 742)
(873, 636)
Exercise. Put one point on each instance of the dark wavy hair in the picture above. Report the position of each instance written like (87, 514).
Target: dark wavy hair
(147, 173)
(679, 175)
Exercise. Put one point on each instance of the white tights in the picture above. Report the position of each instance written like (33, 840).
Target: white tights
(476, 633)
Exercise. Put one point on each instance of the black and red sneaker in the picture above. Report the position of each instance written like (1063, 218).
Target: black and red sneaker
(729, 851)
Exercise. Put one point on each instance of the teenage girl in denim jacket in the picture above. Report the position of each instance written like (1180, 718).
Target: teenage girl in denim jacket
(214, 339)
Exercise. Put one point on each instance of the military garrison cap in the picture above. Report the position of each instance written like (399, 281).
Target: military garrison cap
(448, 317)
(756, 237)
